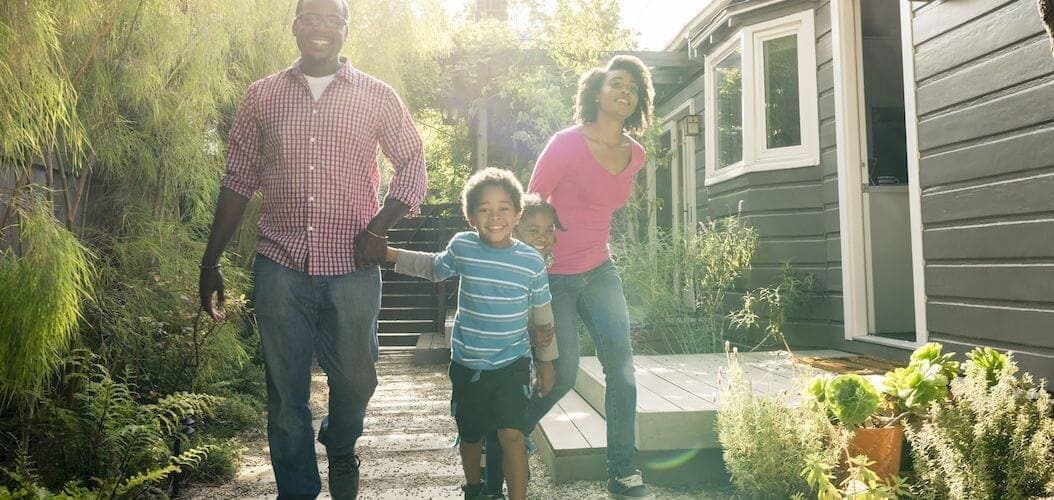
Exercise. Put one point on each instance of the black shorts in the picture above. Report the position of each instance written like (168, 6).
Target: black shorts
(497, 400)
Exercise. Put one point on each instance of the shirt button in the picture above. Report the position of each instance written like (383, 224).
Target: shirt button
(312, 139)
(310, 198)
(311, 168)
(314, 111)
(309, 229)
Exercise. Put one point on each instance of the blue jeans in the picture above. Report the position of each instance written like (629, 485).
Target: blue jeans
(297, 314)
(596, 297)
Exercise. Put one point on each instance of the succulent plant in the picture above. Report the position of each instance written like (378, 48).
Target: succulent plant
(851, 398)
(988, 361)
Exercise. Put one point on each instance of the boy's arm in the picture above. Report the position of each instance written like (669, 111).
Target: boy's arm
(420, 264)
(541, 318)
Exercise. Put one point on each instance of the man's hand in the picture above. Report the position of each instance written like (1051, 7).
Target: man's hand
(546, 377)
(541, 335)
(370, 249)
(211, 282)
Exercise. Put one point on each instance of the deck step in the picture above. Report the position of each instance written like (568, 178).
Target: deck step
(677, 394)
(572, 440)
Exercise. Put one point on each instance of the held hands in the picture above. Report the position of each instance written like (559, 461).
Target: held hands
(211, 282)
(546, 377)
(370, 248)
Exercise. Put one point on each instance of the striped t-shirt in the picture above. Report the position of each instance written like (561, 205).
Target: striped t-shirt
(499, 286)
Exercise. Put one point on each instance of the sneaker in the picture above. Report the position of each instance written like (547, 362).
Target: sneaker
(473, 491)
(344, 477)
(630, 486)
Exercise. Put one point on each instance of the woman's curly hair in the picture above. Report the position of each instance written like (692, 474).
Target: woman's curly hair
(591, 82)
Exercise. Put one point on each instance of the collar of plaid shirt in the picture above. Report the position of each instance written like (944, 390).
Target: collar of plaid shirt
(315, 163)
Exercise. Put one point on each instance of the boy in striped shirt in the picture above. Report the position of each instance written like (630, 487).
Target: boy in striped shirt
(504, 288)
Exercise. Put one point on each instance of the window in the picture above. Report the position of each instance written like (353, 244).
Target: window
(729, 109)
(761, 111)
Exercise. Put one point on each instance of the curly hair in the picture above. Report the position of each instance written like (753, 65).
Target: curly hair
(490, 176)
(534, 204)
(591, 82)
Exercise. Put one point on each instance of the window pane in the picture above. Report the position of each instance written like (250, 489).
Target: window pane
(728, 79)
(782, 116)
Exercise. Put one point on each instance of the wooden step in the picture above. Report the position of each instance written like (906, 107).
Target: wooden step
(431, 348)
(677, 394)
(407, 313)
(572, 441)
(398, 339)
(414, 326)
(407, 300)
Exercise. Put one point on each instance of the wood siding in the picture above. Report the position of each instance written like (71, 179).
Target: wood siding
(985, 97)
(792, 209)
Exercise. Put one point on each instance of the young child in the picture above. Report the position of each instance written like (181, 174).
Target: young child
(504, 287)
(537, 228)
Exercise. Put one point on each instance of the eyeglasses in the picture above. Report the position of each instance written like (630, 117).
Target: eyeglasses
(318, 20)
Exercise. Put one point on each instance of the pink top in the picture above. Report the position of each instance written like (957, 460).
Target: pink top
(585, 197)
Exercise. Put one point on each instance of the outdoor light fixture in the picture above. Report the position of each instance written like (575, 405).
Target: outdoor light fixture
(691, 125)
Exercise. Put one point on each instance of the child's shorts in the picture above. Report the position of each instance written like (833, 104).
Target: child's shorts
(496, 400)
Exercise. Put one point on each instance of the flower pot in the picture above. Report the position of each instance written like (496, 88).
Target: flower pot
(882, 446)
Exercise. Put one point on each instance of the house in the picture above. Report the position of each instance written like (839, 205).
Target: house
(902, 152)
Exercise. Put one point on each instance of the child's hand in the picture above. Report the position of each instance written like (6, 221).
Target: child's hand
(546, 377)
(541, 335)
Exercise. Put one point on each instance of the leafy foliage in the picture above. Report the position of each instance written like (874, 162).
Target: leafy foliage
(42, 289)
(850, 398)
(766, 442)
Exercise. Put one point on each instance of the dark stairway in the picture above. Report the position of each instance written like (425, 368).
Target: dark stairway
(411, 306)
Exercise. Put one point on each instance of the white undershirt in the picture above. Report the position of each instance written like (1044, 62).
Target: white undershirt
(318, 84)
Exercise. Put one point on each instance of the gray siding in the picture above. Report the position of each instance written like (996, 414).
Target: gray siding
(986, 137)
(791, 210)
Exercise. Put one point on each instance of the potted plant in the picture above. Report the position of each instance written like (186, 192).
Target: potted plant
(875, 417)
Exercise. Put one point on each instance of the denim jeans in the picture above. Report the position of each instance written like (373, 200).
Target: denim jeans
(596, 297)
(297, 315)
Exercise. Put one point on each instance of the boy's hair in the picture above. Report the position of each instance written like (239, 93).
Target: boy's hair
(534, 204)
(490, 176)
(591, 82)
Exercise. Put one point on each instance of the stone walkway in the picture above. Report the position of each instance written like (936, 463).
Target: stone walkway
(407, 449)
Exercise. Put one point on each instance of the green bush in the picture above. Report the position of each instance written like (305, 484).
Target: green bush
(767, 443)
(993, 438)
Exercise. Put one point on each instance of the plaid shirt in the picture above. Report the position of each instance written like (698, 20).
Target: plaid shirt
(315, 162)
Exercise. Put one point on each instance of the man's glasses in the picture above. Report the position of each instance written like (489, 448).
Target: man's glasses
(317, 21)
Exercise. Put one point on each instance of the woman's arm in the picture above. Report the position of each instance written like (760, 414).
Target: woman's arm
(550, 168)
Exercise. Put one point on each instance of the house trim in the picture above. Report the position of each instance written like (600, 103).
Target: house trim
(756, 157)
(918, 260)
(682, 191)
(849, 130)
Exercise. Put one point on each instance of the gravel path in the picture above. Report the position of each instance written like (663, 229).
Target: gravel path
(407, 449)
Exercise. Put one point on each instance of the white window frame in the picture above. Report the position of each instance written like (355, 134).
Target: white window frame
(757, 157)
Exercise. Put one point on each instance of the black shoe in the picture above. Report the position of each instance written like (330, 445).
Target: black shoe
(629, 486)
(344, 477)
(473, 491)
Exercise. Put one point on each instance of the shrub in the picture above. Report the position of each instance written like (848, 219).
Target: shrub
(767, 443)
(994, 438)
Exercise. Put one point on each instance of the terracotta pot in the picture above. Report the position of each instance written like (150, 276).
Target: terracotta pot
(882, 446)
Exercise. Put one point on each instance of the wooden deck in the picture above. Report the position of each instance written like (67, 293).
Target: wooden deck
(676, 409)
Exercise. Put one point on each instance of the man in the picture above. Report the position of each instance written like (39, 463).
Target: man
(307, 138)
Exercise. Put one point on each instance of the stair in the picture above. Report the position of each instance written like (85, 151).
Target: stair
(675, 435)
(414, 311)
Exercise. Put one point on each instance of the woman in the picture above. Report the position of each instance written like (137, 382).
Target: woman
(586, 172)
